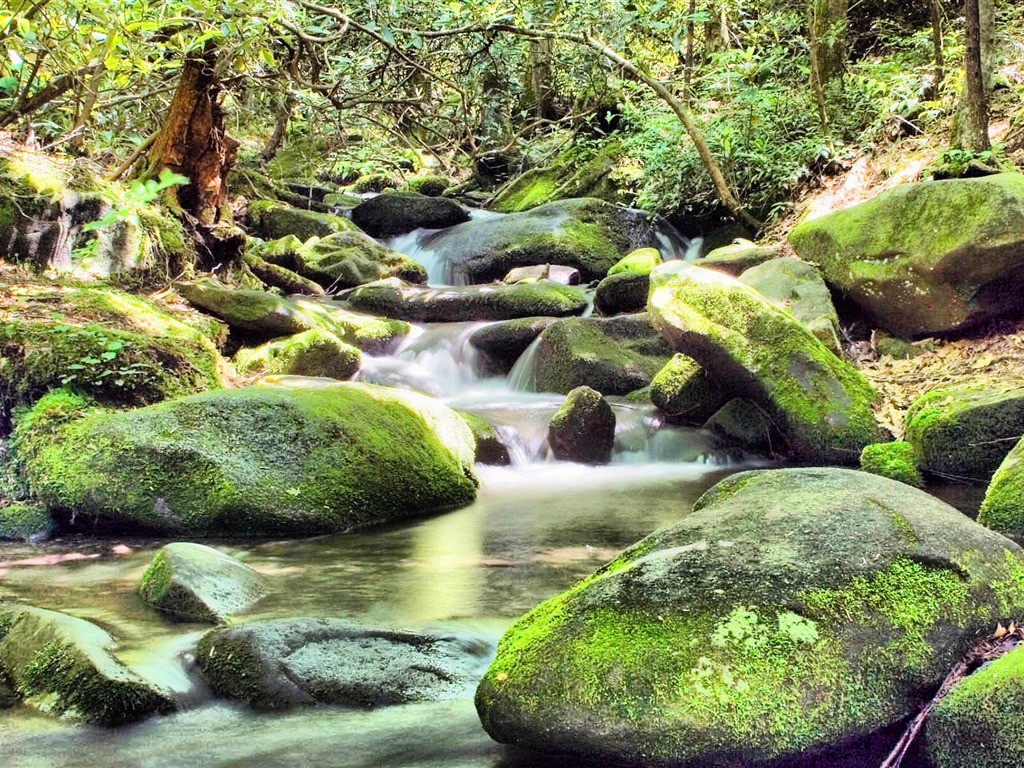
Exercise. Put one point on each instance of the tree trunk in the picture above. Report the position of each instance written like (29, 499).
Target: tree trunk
(688, 72)
(193, 141)
(541, 92)
(92, 95)
(284, 116)
(940, 61)
(827, 33)
(973, 127)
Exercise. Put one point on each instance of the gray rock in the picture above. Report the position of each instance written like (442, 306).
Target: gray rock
(738, 257)
(504, 342)
(552, 272)
(624, 292)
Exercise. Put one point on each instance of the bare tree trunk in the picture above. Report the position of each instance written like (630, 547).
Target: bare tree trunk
(827, 36)
(973, 129)
(541, 91)
(92, 94)
(284, 116)
(688, 71)
(940, 61)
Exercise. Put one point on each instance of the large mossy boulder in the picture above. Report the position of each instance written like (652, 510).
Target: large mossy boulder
(615, 356)
(63, 666)
(193, 582)
(796, 287)
(273, 220)
(963, 432)
(684, 392)
(1003, 507)
(739, 256)
(396, 213)
(496, 301)
(283, 663)
(503, 343)
(980, 723)
(791, 612)
(586, 234)
(312, 353)
(568, 176)
(583, 429)
(893, 460)
(255, 461)
(625, 292)
(756, 351)
(926, 258)
(259, 315)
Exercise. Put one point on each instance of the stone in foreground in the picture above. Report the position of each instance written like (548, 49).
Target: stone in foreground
(793, 611)
(583, 429)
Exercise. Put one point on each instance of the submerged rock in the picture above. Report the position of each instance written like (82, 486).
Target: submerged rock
(583, 429)
(63, 665)
(496, 301)
(282, 663)
(192, 582)
(756, 351)
(926, 258)
(396, 213)
(257, 461)
(1003, 507)
(792, 612)
(312, 353)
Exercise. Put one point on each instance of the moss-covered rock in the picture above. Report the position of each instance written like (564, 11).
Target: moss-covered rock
(979, 724)
(615, 356)
(744, 423)
(25, 522)
(1003, 507)
(282, 278)
(256, 461)
(625, 292)
(490, 448)
(684, 392)
(64, 666)
(796, 287)
(640, 262)
(312, 353)
(273, 220)
(397, 213)
(963, 432)
(583, 429)
(503, 343)
(791, 612)
(497, 301)
(926, 258)
(756, 351)
(893, 460)
(262, 316)
(430, 185)
(284, 663)
(192, 582)
(374, 183)
(739, 256)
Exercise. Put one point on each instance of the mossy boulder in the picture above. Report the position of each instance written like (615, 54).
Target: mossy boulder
(374, 183)
(260, 316)
(615, 356)
(639, 262)
(744, 423)
(963, 432)
(282, 663)
(256, 461)
(490, 447)
(25, 522)
(796, 287)
(979, 724)
(272, 220)
(396, 213)
(792, 612)
(312, 353)
(623, 293)
(193, 582)
(497, 301)
(503, 343)
(586, 234)
(893, 460)
(739, 256)
(683, 391)
(430, 185)
(583, 429)
(282, 278)
(926, 258)
(756, 351)
(63, 666)
(1003, 507)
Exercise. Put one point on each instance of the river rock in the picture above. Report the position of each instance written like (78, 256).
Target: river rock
(820, 404)
(615, 356)
(347, 259)
(311, 353)
(553, 272)
(893, 460)
(497, 301)
(684, 392)
(192, 582)
(63, 666)
(586, 234)
(640, 262)
(744, 423)
(926, 258)
(625, 292)
(963, 432)
(490, 448)
(796, 287)
(257, 461)
(739, 256)
(1003, 507)
(503, 343)
(273, 220)
(791, 612)
(396, 213)
(978, 723)
(282, 663)
(583, 429)
(261, 316)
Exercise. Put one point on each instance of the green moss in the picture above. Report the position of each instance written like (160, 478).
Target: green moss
(681, 389)
(156, 578)
(893, 460)
(374, 182)
(233, 668)
(1003, 507)
(276, 220)
(312, 353)
(431, 185)
(20, 522)
(576, 172)
(348, 259)
(640, 262)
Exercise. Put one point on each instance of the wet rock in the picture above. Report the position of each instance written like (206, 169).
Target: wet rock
(625, 292)
(273, 220)
(819, 403)
(744, 423)
(737, 258)
(552, 272)
(192, 582)
(63, 666)
(397, 213)
(893, 460)
(926, 258)
(311, 353)
(282, 663)
(790, 616)
(504, 342)
(1003, 507)
(497, 301)
(615, 356)
(490, 448)
(256, 461)
(583, 429)
(683, 391)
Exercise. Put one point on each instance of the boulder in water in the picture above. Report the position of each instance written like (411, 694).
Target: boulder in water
(745, 423)
(25, 522)
(684, 392)
(192, 582)
(490, 448)
(311, 353)
(893, 460)
(503, 343)
(583, 430)
(396, 213)
(791, 615)
(273, 220)
(640, 262)
(282, 663)
(625, 292)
